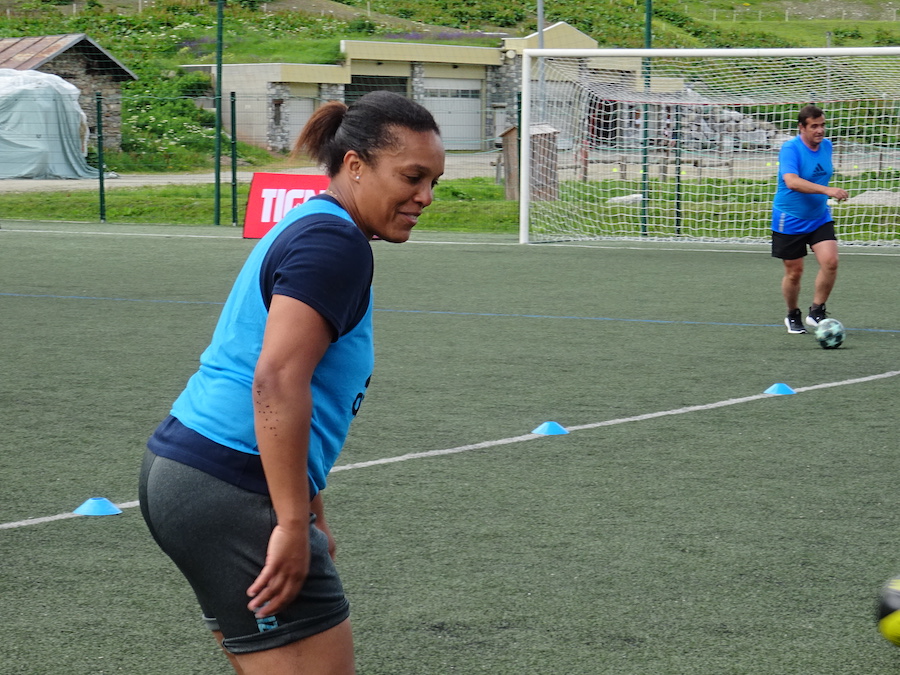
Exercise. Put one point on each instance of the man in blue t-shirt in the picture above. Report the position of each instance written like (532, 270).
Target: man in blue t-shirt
(801, 217)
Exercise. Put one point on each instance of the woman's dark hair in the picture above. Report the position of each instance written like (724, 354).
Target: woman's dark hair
(809, 112)
(366, 126)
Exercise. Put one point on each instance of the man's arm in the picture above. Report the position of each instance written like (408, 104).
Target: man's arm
(794, 182)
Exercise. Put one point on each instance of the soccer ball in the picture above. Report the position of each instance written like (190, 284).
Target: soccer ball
(887, 613)
(830, 333)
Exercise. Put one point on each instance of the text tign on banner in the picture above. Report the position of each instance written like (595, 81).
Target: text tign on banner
(272, 195)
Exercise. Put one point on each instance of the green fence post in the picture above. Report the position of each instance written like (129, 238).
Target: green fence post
(676, 137)
(217, 152)
(234, 158)
(645, 141)
(99, 98)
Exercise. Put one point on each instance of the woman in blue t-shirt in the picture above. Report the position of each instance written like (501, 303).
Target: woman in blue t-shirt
(801, 217)
(231, 483)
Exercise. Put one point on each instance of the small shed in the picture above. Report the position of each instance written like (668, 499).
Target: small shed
(544, 162)
(81, 62)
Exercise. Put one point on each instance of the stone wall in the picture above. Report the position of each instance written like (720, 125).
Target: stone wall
(278, 138)
(503, 85)
(76, 69)
(331, 92)
(417, 81)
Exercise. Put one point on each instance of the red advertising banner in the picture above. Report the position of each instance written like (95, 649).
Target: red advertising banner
(274, 194)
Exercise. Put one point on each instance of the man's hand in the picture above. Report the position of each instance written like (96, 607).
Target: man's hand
(837, 193)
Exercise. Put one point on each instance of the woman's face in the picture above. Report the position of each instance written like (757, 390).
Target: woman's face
(391, 193)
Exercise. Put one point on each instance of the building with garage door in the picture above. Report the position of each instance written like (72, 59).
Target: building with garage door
(471, 91)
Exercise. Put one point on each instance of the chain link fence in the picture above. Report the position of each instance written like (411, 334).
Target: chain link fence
(149, 140)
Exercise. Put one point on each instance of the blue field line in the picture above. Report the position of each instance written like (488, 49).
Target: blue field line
(89, 297)
(497, 315)
(569, 318)
(605, 318)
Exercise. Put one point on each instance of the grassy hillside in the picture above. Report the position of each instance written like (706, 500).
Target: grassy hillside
(308, 30)
(676, 23)
(154, 37)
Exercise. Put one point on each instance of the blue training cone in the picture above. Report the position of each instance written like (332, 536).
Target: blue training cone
(550, 429)
(97, 506)
(779, 388)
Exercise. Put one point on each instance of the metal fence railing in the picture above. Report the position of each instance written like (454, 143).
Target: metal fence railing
(146, 136)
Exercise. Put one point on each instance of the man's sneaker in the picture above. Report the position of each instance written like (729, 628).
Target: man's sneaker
(794, 322)
(816, 314)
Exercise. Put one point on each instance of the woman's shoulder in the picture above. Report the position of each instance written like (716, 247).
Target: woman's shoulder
(323, 218)
(321, 242)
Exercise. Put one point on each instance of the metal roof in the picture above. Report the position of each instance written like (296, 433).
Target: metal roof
(30, 53)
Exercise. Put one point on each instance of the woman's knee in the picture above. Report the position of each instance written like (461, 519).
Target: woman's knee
(326, 653)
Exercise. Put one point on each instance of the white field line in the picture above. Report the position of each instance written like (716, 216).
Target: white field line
(163, 235)
(437, 453)
(58, 516)
(730, 401)
(517, 439)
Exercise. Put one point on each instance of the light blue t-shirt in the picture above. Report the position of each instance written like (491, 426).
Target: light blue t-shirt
(796, 212)
(317, 255)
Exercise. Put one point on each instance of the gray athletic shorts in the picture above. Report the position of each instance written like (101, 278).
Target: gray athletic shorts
(217, 535)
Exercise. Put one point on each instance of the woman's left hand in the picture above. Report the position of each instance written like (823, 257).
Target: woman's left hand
(282, 577)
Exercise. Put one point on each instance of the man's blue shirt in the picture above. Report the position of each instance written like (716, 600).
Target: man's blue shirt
(796, 212)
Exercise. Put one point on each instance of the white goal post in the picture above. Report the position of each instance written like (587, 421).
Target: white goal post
(683, 143)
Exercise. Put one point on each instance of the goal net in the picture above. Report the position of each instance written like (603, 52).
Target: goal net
(626, 143)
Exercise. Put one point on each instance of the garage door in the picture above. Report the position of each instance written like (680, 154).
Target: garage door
(457, 108)
(299, 110)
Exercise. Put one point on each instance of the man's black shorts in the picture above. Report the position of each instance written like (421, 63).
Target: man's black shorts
(793, 246)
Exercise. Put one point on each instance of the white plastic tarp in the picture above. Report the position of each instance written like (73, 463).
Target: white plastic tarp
(43, 130)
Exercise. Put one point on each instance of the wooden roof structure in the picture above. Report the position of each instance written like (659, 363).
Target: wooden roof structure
(30, 53)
